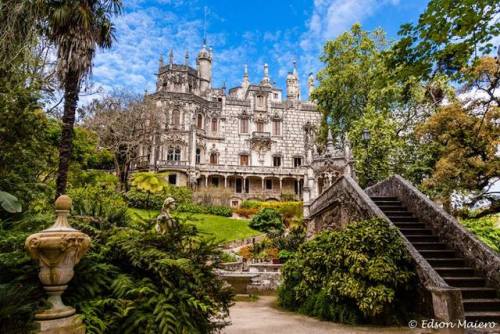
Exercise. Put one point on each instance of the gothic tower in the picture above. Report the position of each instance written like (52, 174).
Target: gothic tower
(204, 66)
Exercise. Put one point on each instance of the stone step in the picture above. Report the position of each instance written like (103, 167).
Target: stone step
(481, 304)
(383, 198)
(437, 253)
(485, 316)
(399, 219)
(429, 245)
(416, 231)
(409, 225)
(446, 262)
(422, 238)
(391, 208)
(388, 203)
(455, 271)
(481, 292)
(399, 214)
(464, 282)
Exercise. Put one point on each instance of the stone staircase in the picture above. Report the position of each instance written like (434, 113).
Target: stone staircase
(480, 302)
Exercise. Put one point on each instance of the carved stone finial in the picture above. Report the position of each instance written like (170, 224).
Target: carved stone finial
(58, 249)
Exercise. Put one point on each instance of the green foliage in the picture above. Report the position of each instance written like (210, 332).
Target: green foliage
(134, 280)
(361, 274)
(94, 177)
(9, 202)
(149, 182)
(487, 229)
(146, 200)
(449, 36)
(290, 210)
(267, 220)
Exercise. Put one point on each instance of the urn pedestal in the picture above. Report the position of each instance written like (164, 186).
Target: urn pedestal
(58, 249)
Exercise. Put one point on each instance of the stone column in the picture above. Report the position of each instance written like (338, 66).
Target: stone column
(206, 181)
(58, 249)
(262, 184)
(281, 185)
(225, 181)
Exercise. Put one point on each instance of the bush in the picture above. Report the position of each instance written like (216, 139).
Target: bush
(362, 274)
(485, 229)
(246, 212)
(223, 211)
(144, 200)
(267, 220)
(290, 211)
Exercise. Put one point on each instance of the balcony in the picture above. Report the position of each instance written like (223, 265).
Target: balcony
(261, 135)
(253, 170)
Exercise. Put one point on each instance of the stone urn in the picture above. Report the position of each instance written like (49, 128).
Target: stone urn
(58, 249)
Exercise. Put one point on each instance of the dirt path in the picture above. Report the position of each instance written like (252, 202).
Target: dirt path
(262, 317)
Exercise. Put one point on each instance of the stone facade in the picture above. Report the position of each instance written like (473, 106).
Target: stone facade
(249, 139)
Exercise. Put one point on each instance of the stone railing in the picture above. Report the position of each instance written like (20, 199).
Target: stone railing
(479, 256)
(266, 170)
(344, 202)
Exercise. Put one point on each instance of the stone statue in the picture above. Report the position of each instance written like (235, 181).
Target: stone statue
(164, 221)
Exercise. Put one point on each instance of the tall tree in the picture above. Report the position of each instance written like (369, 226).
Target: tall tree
(77, 28)
(449, 35)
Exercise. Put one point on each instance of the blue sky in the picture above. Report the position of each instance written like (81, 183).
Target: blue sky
(239, 32)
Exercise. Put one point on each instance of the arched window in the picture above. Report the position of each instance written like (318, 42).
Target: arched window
(213, 158)
(170, 155)
(176, 118)
(260, 127)
(200, 121)
(276, 128)
(177, 154)
(214, 124)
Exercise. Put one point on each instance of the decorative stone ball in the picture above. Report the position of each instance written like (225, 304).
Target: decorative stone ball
(63, 202)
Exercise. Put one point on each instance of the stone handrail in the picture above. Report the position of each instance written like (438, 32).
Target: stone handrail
(268, 170)
(344, 202)
(479, 256)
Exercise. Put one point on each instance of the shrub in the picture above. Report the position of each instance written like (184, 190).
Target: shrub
(362, 274)
(267, 220)
(486, 230)
(246, 212)
(144, 200)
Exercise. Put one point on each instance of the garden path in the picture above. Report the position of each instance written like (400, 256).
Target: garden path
(261, 316)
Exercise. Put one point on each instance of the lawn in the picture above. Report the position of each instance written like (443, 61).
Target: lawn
(222, 228)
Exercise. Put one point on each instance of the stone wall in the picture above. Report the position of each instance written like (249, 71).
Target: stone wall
(479, 256)
(344, 202)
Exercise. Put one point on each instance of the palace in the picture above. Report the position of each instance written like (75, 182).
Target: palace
(250, 139)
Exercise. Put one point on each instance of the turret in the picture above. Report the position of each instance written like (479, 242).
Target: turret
(204, 65)
(292, 84)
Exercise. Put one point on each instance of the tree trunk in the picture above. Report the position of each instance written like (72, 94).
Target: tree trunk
(71, 90)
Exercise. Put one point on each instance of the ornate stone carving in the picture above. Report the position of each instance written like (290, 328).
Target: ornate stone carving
(58, 249)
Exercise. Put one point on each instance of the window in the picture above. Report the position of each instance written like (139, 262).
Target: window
(260, 127)
(214, 124)
(176, 118)
(260, 101)
(244, 160)
(198, 156)
(276, 128)
(170, 155)
(213, 158)
(269, 184)
(299, 186)
(172, 179)
(199, 123)
(276, 161)
(244, 125)
(177, 154)
(275, 96)
(297, 162)
(239, 185)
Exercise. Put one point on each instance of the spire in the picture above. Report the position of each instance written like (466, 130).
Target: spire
(245, 83)
(265, 81)
(310, 85)
(295, 68)
(171, 57)
(161, 60)
(330, 148)
(186, 58)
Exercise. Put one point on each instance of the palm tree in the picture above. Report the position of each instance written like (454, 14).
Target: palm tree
(77, 28)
